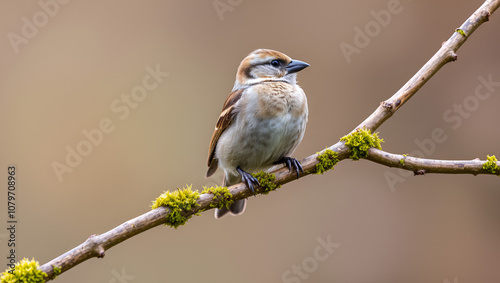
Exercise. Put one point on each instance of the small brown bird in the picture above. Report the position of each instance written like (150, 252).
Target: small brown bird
(262, 121)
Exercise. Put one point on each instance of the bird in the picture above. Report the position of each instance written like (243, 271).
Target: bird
(262, 122)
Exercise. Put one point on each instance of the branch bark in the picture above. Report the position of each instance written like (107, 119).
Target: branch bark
(421, 166)
(96, 245)
(446, 54)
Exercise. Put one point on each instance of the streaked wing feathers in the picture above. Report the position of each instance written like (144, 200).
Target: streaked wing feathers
(226, 117)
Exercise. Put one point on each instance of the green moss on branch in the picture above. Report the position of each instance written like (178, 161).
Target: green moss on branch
(179, 201)
(360, 141)
(24, 271)
(327, 160)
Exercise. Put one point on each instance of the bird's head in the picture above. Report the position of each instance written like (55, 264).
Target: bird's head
(267, 65)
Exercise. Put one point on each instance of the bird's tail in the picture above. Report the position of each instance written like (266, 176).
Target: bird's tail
(238, 207)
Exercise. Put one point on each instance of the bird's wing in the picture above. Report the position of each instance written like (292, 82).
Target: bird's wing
(226, 117)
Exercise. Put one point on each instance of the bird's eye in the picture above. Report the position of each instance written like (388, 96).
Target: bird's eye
(275, 63)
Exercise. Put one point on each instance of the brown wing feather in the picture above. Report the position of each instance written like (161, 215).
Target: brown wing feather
(225, 119)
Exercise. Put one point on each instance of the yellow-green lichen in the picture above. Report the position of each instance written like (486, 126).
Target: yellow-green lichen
(222, 194)
(266, 181)
(178, 201)
(402, 160)
(491, 165)
(24, 271)
(327, 160)
(360, 141)
(461, 31)
(57, 271)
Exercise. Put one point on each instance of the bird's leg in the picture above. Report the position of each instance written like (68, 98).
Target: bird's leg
(248, 179)
(291, 162)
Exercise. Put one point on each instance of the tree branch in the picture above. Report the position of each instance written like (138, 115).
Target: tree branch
(444, 55)
(421, 166)
(96, 245)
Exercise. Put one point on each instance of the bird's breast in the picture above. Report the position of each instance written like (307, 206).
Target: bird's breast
(277, 99)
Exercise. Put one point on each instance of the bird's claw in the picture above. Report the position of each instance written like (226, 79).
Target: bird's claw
(291, 162)
(248, 179)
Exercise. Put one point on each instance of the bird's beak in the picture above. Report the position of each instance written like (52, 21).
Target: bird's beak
(296, 66)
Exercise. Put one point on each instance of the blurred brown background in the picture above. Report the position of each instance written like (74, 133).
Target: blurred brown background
(82, 58)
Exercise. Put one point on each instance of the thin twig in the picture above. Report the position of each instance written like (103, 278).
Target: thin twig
(96, 245)
(421, 166)
(446, 54)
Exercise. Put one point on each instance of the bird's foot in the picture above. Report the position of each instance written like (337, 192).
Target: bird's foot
(248, 179)
(291, 162)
